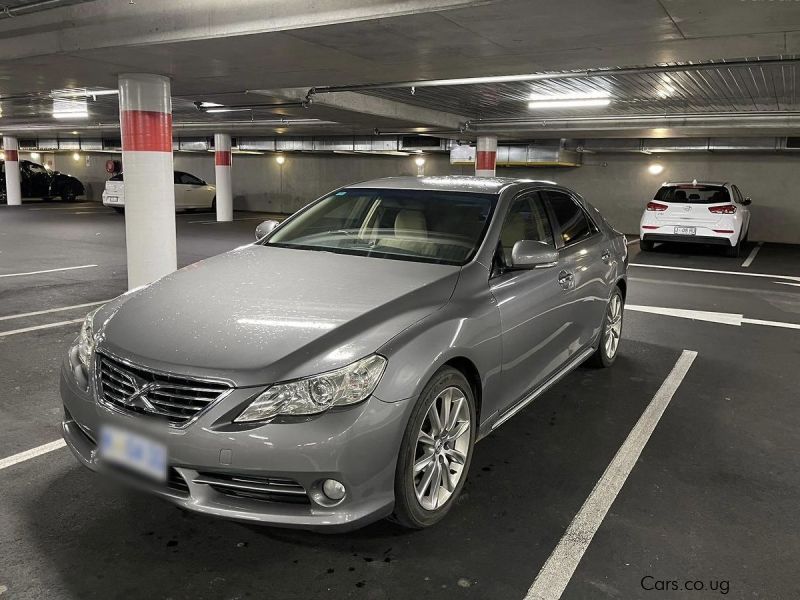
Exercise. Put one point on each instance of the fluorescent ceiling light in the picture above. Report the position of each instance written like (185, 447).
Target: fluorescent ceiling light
(224, 110)
(71, 115)
(82, 93)
(209, 104)
(569, 103)
(593, 95)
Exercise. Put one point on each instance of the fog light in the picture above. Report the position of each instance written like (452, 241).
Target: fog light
(333, 489)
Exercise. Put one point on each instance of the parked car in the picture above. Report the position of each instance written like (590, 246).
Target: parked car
(340, 369)
(38, 182)
(190, 193)
(700, 213)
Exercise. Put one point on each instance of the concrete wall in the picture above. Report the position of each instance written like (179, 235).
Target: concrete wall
(618, 184)
(260, 183)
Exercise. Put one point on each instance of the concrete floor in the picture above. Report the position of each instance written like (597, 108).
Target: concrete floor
(712, 498)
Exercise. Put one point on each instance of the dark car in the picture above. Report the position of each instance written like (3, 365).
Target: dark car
(38, 182)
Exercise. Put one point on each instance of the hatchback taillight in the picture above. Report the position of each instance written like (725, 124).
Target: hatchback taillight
(728, 209)
(656, 206)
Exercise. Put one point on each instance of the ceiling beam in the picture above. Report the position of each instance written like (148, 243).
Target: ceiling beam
(364, 104)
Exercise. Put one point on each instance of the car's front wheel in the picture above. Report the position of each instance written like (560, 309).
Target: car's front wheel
(436, 450)
(611, 332)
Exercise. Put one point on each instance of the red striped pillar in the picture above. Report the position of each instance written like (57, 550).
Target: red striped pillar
(11, 154)
(222, 169)
(486, 156)
(145, 114)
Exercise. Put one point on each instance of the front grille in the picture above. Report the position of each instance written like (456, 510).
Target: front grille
(138, 390)
(269, 489)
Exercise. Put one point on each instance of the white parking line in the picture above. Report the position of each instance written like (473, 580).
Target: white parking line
(712, 317)
(50, 310)
(38, 327)
(552, 580)
(32, 453)
(752, 256)
(47, 271)
(633, 241)
(790, 277)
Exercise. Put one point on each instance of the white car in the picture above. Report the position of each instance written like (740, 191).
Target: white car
(190, 192)
(700, 213)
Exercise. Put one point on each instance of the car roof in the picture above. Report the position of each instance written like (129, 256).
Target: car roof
(448, 183)
(719, 183)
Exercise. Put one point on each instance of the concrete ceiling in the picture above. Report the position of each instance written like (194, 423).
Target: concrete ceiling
(217, 51)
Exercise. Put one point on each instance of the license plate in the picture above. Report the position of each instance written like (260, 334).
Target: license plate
(112, 199)
(685, 230)
(134, 451)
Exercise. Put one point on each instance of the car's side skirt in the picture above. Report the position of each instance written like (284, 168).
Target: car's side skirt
(554, 378)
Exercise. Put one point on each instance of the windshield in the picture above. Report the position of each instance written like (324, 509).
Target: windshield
(693, 194)
(419, 225)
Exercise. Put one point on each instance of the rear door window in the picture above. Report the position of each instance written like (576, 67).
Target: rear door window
(571, 219)
(693, 194)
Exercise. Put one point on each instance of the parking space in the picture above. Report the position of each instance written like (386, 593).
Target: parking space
(711, 497)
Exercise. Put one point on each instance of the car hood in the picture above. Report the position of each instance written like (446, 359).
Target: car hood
(261, 314)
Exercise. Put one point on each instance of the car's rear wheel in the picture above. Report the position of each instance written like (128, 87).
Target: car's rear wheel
(734, 251)
(610, 333)
(436, 450)
(647, 245)
(118, 209)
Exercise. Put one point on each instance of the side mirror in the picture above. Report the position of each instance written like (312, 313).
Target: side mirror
(265, 228)
(747, 201)
(529, 254)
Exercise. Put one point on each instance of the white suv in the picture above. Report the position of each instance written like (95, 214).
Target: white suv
(701, 213)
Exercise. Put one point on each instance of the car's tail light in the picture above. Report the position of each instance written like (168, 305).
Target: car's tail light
(656, 206)
(650, 226)
(727, 209)
(723, 231)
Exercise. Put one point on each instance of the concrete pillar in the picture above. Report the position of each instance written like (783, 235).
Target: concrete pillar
(486, 156)
(224, 183)
(11, 153)
(145, 114)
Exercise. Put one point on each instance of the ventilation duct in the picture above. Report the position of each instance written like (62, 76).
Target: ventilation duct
(521, 155)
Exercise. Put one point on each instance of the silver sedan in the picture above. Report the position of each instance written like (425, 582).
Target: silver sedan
(340, 369)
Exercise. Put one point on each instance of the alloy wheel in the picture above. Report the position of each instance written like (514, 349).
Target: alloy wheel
(443, 443)
(613, 326)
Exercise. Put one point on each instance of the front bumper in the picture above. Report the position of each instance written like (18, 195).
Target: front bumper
(357, 446)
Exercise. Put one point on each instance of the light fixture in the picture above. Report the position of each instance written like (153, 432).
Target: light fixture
(71, 114)
(76, 156)
(2, 155)
(224, 110)
(35, 155)
(570, 100)
(74, 133)
(419, 161)
(209, 104)
(280, 159)
(655, 169)
(569, 103)
(596, 94)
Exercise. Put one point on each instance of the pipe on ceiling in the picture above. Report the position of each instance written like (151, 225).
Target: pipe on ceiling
(612, 72)
(718, 119)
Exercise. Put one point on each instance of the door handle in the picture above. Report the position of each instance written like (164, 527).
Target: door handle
(566, 280)
(606, 256)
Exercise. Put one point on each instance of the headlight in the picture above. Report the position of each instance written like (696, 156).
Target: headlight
(312, 395)
(86, 339)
